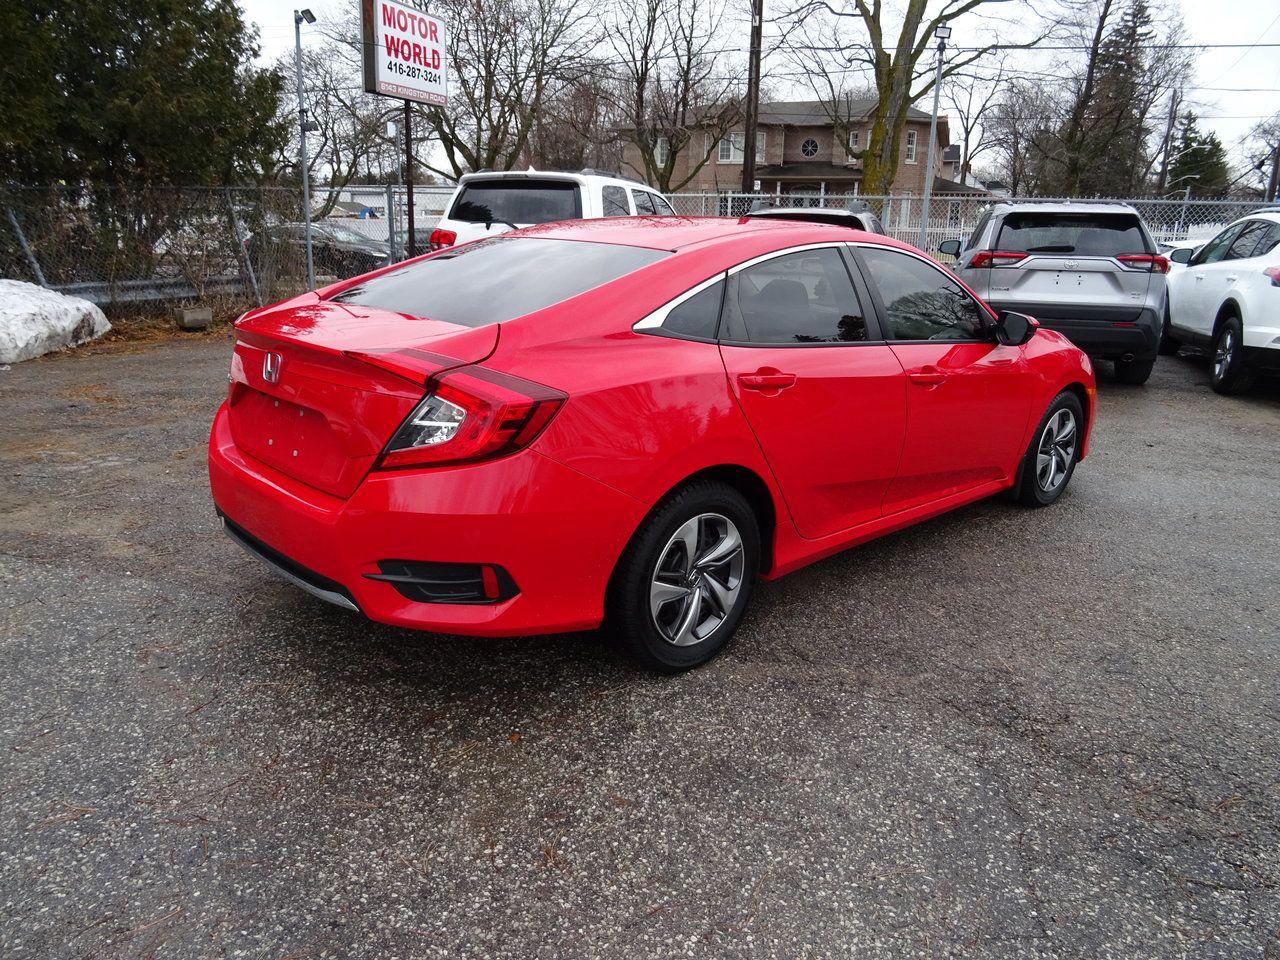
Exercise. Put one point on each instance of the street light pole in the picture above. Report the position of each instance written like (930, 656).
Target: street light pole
(942, 33)
(309, 17)
(751, 127)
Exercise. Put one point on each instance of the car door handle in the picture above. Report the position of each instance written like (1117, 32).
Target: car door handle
(1232, 278)
(927, 376)
(1199, 277)
(766, 380)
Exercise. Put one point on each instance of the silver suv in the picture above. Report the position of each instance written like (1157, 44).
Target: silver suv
(1089, 270)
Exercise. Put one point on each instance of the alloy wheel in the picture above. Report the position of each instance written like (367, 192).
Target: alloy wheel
(697, 580)
(1223, 354)
(1056, 450)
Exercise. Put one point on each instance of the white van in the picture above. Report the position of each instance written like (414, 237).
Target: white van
(487, 204)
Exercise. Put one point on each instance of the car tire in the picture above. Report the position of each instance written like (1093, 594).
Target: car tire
(1041, 483)
(669, 614)
(1135, 372)
(1227, 371)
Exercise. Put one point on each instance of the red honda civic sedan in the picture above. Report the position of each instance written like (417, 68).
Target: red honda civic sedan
(627, 422)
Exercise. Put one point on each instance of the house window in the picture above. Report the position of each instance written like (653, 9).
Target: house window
(731, 147)
(855, 140)
(911, 146)
(809, 148)
(661, 151)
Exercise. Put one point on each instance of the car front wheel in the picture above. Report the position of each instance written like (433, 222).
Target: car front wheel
(685, 578)
(1227, 371)
(1051, 457)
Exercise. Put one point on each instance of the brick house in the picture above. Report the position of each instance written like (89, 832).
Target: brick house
(798, 151)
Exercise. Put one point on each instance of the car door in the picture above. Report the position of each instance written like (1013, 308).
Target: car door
(1190, 306)
(967, 396)
(823, 392)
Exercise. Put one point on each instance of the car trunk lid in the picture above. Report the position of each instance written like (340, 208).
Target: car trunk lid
(1072, 266)
(317, 388)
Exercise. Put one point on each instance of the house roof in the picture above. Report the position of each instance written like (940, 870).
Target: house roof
(943, 185)
(818, 112)
(807, 171)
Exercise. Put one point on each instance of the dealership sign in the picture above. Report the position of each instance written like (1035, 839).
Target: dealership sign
(405, 51)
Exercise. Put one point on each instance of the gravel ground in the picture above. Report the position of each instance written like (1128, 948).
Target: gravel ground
(1004, 733)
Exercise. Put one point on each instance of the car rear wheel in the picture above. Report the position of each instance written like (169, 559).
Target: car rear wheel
(1134, 372)
(1051, 458)
(685, 578)
(1227, 371)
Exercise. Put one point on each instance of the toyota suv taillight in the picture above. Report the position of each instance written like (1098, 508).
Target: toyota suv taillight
(1144, 261)
(996, 258)
(470, 414)
(440, 239)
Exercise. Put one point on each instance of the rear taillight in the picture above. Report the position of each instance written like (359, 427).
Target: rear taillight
(1144, 261)
(470, 414)
(1273, 274)
(440, 239)
(996, 258)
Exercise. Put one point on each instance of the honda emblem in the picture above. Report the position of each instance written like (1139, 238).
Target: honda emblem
(271, 367)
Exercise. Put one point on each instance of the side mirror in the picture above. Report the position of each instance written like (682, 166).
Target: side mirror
(1181, 255)
(1015, 329)
(950, 247)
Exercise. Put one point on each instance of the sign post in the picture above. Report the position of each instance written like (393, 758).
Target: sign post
(406, 57)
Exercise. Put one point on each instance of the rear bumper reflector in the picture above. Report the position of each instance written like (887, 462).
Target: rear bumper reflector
(428, 582)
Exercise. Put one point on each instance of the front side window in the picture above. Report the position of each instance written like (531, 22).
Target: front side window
(803, 297)
(521, 202)
(664, 208)
(491, 281)
(613, 201)
(1245, 245)
(644, 203)
(920, 301)
(1215, 249)
(911, 146)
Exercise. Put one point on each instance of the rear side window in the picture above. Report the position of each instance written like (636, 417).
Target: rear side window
(921, 302)
(520, 202)
(1246, 244)
(1078, 234)
(491, 281)
(804, 297)
(614, 201)
(699, 315)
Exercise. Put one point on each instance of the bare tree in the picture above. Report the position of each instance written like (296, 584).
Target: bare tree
(971, 99)
(860, 39)
(672, 97)
(509, 57)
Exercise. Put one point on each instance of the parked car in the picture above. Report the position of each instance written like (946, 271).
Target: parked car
(489, 203)
(857, 215)
(1089, 270)
(1228, 299)
(627, 423)
(336, 250)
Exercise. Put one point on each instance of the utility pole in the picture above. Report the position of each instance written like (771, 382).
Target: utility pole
(1167, 144)
(298, 17)
(753, 100)
(411, 242)
(942, 33)
(1274, 183)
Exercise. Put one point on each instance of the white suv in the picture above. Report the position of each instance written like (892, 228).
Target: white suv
(1228, 299)
(486, 204)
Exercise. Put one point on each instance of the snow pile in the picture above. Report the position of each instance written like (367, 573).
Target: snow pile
(35, 321)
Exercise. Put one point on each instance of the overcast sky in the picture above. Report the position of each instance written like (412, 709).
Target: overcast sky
(1233, 88)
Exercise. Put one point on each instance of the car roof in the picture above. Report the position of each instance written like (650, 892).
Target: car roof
(580, 177)
(681, 233)
(832, 212)
(1065, 207)
(1266, 213)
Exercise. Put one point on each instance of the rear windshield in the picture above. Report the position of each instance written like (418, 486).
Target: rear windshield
(1084, 235)
(491, 281)
(521, 202)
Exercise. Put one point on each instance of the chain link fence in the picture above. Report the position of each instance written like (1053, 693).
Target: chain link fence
(232, 248)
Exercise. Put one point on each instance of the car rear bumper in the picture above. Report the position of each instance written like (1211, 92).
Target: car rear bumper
(556, 532)
(1099, 336)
